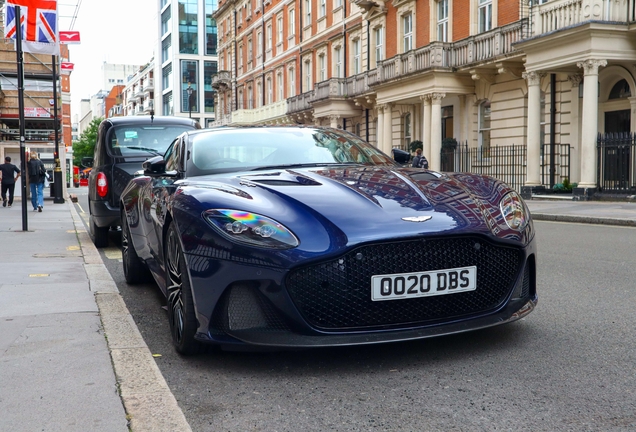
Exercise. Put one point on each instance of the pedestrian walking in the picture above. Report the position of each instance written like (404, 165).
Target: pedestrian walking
(7, 173)
(419, 161)
(37, 174)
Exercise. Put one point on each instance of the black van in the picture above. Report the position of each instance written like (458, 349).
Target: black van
(123, 144)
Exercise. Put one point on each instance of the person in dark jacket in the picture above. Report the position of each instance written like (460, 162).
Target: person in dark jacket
(37, 173)
(419, 161)
(8, 171)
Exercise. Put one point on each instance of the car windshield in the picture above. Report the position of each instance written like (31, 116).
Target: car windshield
(225, 150)
(137, 140)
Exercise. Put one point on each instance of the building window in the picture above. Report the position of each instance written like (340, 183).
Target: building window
(337, 3)
(167, 76)
(279, 30)
(250, 98)
(189, 78)
(322, 65)
(268, 42)
(292, 83)
(379, 44)
(240, 57)
(188, 27)
(356, 57)
(259, 94)
(241, 103)
(250, 54)
(209, 70)
(485, 15)
(307, 75)
(270, 92)
(407, 27)
(484, 127)
(210, 28)
(323, 8)
(279, 86)
(337, 53)
(406, 139)
(442, 20)
(166, 49)
(166, 21)
(291, 30)
(259, 47)
(307, 12)
(168, 109)
(447, 122)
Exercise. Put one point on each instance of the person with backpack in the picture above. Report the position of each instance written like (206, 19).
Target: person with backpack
(419, 161)
(37, 174)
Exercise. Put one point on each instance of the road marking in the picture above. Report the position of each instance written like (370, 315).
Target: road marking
(72, 248)
(39, 275)
(80, 207)
(112, 253)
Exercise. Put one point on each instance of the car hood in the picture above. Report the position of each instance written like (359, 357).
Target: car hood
(358, 204)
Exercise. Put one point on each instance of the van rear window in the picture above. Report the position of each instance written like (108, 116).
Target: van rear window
(143, 140)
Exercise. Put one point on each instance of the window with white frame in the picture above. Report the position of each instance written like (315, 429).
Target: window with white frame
(337, 54)
(268, 47)
(279, 86)
(292, 82)
(307, 12)
(279, 30)
(250, 98)
(250, 52)
(291, 30)
(379, 44)
(485, 15)
(323, 8)
(484, 126)
(442, 20)
(240, 56)
(259, 47)
(270, 91)
(355, 45)
(307, 75)
(322, 67)
(259, 94)
(407, 28)
(406, 138)
(240, 99)
(337, 3)
(249, 9)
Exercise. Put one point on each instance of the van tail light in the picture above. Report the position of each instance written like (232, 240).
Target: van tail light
(102, 185)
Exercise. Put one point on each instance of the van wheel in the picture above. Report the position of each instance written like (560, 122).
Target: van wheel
(99, 235)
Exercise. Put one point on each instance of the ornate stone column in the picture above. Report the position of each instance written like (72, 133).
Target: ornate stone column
(426, 126)
(435, 161)
(533, 157)
(589, 130)
(378, 133)
(575, 128)
(387, 145)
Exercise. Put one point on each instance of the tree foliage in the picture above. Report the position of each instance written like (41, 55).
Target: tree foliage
(86, 144)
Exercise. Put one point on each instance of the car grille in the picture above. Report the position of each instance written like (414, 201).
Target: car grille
(336, 295)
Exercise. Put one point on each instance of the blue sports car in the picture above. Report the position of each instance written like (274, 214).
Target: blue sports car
(294, 236)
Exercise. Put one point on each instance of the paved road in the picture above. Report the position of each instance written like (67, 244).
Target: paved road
(569, 366)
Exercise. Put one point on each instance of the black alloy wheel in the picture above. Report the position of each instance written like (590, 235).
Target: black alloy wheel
(135, 270)
(183, 322)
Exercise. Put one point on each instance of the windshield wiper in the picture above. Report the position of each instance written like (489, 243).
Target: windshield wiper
(146, 149)
(303, 165)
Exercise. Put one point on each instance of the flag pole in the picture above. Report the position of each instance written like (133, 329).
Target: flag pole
(57, 171)
(23, 163)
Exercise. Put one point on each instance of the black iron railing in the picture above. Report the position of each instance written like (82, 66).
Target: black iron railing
(616, 166)
(555, 169)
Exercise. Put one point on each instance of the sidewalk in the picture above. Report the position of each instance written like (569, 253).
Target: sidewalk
(71, 357)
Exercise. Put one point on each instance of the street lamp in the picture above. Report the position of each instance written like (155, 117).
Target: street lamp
(189, 90)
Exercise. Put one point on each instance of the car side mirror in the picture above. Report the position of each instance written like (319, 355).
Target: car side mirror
(401, 156)
(87, 162)
(155, 166)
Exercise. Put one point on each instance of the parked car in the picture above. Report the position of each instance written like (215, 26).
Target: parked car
(293, 236)
(123, 143)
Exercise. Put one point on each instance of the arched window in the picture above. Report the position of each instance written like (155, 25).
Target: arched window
(620, 90)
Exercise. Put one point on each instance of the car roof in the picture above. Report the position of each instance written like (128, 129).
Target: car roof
(280, 126)
(146, 120)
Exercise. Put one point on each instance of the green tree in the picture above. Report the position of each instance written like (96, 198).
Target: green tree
(86, 144)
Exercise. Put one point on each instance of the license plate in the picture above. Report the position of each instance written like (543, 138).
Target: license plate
(423, 284)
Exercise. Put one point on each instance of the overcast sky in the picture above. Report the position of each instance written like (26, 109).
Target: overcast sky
(115, 31)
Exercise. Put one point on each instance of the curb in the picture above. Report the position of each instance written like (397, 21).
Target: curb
(583, 219)
(149, 404)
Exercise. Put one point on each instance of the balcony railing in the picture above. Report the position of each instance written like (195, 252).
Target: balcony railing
(222, 78)
(149, 84)
(300, 103)
(29, 134)
(260, 115)
(559, 14)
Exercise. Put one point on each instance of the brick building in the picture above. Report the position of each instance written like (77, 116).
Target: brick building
(545, 76)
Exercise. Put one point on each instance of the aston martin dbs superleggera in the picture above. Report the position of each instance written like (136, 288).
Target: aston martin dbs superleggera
(293, 236)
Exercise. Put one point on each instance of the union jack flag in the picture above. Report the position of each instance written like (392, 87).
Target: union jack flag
(38, 22)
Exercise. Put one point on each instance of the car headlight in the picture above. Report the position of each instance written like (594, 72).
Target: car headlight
(514, 211)
(251, 228)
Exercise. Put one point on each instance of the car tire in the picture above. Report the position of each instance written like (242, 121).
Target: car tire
(135, 271)
(99, 235)
(183, 322)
